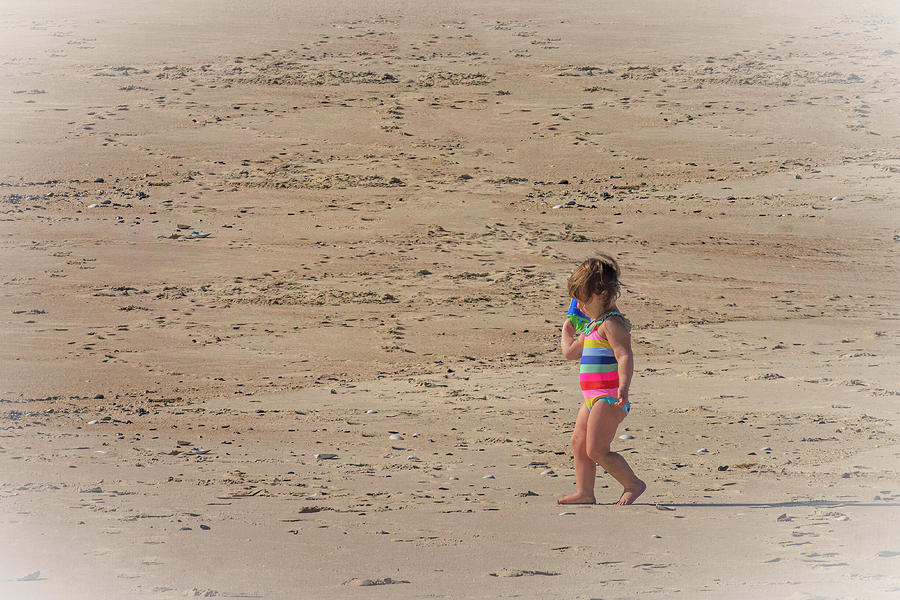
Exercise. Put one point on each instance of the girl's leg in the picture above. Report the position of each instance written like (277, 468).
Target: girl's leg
(585, 468)
(601, 428)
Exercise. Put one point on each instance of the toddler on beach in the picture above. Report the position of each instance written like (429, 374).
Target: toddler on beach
(604, 346)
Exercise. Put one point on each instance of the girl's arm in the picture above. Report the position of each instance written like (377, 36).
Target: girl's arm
(620, 341)
(570, 342)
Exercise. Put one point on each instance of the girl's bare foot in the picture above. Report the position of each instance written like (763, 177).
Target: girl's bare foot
(631, 493)
(577, 498)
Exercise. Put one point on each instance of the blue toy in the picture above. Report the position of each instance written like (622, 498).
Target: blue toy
(578, 319)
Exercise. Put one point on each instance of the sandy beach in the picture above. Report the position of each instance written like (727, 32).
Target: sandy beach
(281, 287)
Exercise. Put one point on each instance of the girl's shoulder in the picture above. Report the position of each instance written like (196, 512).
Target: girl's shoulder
(615, 316)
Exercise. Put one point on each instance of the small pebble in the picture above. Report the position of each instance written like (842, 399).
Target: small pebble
(325, 456)
(566, 514)
(371, 411)
(557, 206)
(766, 449)
(656, 537)
(488, 477)
(413, 458)
(93, 205)
(94, 422)
(837, 198)
(548, 472)
(625, 436)
(702, 451)
(396, 436)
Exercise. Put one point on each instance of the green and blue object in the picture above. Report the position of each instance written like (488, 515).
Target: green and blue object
(578, 319)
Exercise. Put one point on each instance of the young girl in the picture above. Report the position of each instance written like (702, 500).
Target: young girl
(604, 347)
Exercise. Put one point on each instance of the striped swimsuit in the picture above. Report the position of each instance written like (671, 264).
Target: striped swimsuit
(599, 369)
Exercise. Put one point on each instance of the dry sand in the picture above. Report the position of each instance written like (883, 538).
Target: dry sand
(387, 201)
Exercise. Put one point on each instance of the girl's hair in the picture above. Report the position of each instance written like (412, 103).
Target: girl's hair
(596, 276)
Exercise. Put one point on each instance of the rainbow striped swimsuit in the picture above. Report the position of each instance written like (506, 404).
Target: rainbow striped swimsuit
(599, 372)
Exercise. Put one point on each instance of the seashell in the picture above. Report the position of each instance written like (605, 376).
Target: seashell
(566, 514)
(396, 436)
(94, 422)
(371, 411)
(488, 477)
(325, 456)
(702, 451)
(626, 437)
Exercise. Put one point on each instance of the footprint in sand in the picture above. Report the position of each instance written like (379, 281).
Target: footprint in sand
(356, 581)
(518, 573)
